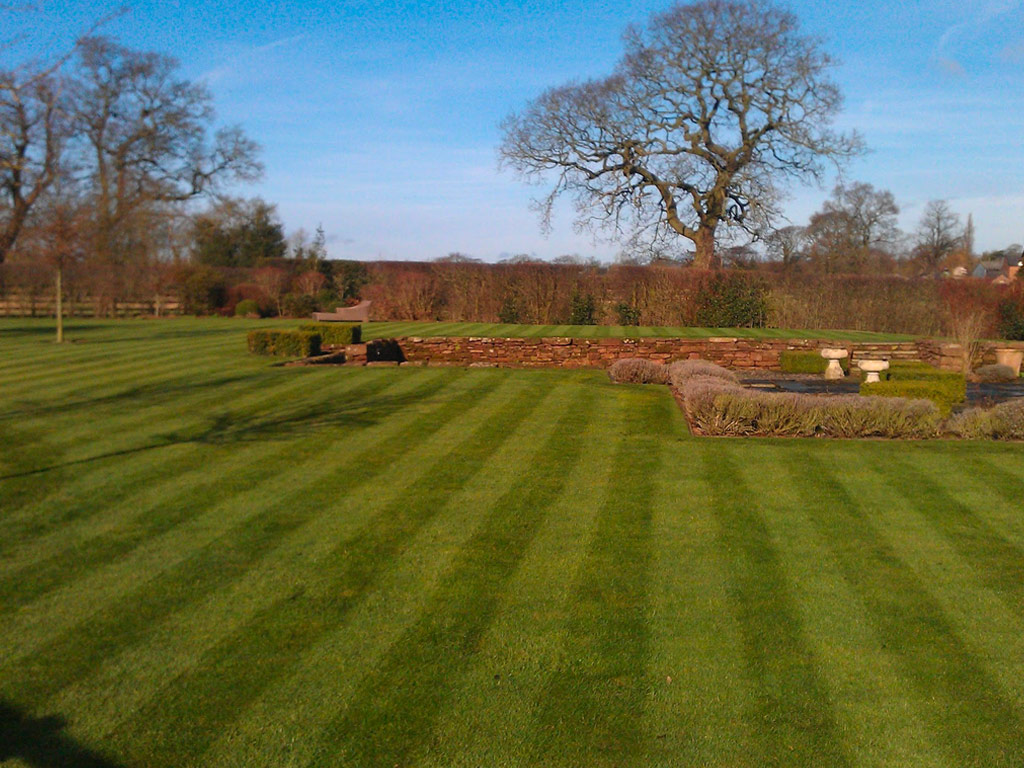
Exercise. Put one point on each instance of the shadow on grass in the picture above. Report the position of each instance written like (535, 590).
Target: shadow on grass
(148, 394)
(43, 743)
(227, 428)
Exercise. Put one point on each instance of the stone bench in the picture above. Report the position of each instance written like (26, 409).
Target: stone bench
(360, 313)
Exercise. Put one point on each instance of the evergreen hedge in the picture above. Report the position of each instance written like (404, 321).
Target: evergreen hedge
(945, 392)
(284, 343)
(795, 361)
(335, 334)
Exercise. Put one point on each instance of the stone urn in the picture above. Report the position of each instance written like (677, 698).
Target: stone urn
(872, 368)
(834, 369)
(1010, 357)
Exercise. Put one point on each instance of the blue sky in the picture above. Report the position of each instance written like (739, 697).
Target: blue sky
(380, 118)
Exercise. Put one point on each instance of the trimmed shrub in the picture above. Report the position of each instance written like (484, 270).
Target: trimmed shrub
(634, 370)
(1003, 422)
(995, 373)
(796, 361)
(945, 391)
(247, 308)
(683, 370)
(284, 343)
(335, 334)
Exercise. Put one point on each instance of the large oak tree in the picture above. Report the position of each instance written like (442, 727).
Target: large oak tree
(714, 107)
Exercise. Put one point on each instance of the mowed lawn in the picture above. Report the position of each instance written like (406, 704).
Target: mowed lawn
(380, 330)
(206, 560)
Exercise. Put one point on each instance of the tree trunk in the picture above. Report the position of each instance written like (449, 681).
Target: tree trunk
(60, 305)
(706, 258)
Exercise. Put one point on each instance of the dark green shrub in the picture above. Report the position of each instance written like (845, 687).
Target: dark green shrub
(732, 301)
(628, 314)
(335, 334)
(284, 343)
(944, 392)
(1011, 319)
(581, 309)
(509, 312)
(916, 370)
(298, 305)
(348, 277)
(203, 290)
(796, 361)
(327, 300)
(247, 308)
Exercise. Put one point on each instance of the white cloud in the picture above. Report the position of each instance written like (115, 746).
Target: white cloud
(235, 63)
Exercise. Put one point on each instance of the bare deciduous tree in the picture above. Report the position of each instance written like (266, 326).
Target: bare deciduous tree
(714, 105)
(146, 137)
(871, 214)
(855, 228)
(786, 246)
(939, 234)
(33, 135)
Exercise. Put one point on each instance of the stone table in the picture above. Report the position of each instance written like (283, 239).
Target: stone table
(872, 368)
(834, 370)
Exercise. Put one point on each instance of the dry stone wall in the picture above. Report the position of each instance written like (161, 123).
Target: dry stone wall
(734, 353)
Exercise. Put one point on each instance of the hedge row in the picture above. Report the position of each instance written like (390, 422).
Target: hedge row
(793, 361)
(284, 343)
(920, 380)
(335, 334)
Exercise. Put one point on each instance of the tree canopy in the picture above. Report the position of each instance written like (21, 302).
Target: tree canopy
(714, 107)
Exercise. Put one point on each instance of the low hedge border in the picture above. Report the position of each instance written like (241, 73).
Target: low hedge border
(284, 343)
(718, 407)
(795, 361)
(920, 380)
(335, 334)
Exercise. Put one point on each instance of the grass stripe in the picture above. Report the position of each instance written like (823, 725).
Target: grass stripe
(968, 715)
(396, 707)
(879, 715)
(235, 671)
(698, 718)
(290, 572)
(491, 716)
(790, 716)
(591, 709)
(998, 561)
(210, 534)
(66, 493)
(420, 328)
(313, 692)
(73, 550)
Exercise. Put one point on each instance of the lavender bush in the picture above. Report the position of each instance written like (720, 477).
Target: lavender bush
(633, 370)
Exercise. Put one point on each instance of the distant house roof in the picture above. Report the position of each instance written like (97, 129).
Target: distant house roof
(1004, 266)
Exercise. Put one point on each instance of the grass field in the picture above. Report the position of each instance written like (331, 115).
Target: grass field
(395, 329)
(209, 561)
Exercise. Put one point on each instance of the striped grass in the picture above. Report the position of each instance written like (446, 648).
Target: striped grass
(206, 560)
(383, 330)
